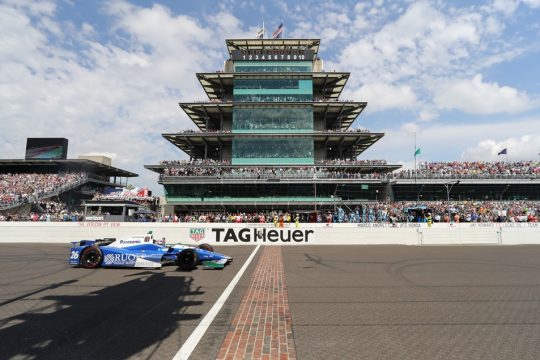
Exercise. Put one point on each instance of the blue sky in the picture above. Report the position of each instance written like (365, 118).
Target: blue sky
(463, 76)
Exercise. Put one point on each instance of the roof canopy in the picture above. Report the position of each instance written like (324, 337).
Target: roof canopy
(337, 114)
(22, 165)
(194, 143)
(257, 44)
(219, 85)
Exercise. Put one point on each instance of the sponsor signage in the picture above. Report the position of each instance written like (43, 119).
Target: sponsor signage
(273, 55)
(258, 235)
(120, 259)
(129, 242)
(196, 234)
(94, 218)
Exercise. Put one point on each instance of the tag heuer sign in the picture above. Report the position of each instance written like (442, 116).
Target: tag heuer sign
(196, 233)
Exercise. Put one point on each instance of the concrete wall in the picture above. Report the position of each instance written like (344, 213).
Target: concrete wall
(305, 234)
(97, 158)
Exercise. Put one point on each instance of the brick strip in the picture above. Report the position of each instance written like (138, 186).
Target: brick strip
(261, 328)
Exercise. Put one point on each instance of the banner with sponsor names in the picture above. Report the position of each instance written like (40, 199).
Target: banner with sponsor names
(267, 234)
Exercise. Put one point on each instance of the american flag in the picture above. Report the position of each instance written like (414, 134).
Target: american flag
(279, 31)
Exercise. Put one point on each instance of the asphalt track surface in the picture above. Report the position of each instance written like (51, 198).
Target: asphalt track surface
(346, 302)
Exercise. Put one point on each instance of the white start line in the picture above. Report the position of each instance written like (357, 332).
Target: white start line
(191, 343)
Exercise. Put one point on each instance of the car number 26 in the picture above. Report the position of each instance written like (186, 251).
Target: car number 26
(74, 255)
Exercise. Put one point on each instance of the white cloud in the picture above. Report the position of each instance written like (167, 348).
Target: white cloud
(382, 96)
(526, 147)
(427, 115)
(451, 141)
(430, 42)
(106, 97)
(532, 3)
(475, 96)
(507, 7)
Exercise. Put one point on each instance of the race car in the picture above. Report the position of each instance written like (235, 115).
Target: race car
(144, 251)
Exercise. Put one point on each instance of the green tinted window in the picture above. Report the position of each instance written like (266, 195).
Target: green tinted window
(274, 119)
(272, 151)
(273, 90)
(267, 84)
(273, 66)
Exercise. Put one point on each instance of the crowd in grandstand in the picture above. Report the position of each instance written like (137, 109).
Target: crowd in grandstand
(383, 212)
(371, 212)
(425, 170)
(43, 210)
(125, 197)
(350, 162)
(473, 169)
(264, 173)
(271, 126)
(195, 162)
(26, 188)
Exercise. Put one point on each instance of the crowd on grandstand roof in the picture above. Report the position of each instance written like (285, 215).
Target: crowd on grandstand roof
(270, 172)
(475, 168)
(521, 169)
(198, 162)
(29, 187)
(292, 127)
(194, 162)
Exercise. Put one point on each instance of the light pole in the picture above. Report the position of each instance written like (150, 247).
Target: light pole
(449, 187)
(506, 188)
(418, 195)
(315, 188)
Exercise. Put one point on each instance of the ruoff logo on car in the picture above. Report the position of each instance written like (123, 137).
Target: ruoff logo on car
(261, 235)
(120, 259)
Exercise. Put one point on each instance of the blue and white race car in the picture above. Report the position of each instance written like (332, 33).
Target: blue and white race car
(143, 252)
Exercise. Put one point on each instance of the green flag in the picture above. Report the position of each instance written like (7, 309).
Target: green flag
(417, 152)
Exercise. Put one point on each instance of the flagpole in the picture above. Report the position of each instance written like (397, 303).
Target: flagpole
(263, 30)
(415, 157)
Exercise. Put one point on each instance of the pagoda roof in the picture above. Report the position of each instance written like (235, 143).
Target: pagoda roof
(220, 84)
(259, 44)
(339, 114)
(193, 143)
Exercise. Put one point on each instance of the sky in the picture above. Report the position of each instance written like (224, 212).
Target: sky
(463, 76)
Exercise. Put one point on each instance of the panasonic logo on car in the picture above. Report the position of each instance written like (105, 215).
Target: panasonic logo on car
(130, 241)
(261, 235)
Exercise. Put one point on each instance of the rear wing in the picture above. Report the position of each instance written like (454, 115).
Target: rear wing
(98, 242)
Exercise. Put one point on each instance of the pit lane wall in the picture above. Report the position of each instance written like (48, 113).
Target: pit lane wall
(267, 234)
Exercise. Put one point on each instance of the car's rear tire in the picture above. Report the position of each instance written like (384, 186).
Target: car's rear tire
(206, 247)
(91, 257)
(187, 259)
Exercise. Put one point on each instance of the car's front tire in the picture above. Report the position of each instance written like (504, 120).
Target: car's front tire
(91, 258)
(206, 247)
(187, 259)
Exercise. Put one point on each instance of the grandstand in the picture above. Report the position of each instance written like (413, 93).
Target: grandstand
(273, 134)
(26, 183)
